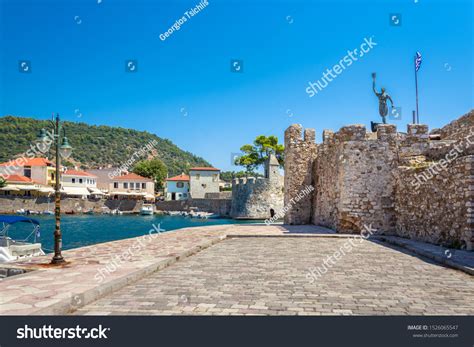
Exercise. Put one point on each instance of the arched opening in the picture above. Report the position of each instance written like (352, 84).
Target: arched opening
(272, 212)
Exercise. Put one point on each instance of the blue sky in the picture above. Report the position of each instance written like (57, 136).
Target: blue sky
(283, 45)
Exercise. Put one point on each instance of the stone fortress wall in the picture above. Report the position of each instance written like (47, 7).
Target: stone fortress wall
(254, 198)
(405, 184)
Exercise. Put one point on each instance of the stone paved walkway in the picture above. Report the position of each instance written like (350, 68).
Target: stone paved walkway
(60, 289)
(458, 259)
(269, 276)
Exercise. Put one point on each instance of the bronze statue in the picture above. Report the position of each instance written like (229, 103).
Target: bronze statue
(383, 97)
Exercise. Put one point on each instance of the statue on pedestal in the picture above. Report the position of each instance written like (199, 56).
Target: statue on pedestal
(383, 97)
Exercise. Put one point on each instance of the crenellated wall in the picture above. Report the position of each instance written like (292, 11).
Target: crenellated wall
(397, 183)
(353, 179)
(257, 198)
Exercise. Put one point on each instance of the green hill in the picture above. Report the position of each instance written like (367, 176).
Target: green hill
(93, 145)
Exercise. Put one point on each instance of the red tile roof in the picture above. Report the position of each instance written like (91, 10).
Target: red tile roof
(28, 162)
(204, 169)
(78, 173)
(181, 177)
(133, 177)
(17, 178)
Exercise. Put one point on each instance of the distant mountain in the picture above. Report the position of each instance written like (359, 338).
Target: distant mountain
(95, 146)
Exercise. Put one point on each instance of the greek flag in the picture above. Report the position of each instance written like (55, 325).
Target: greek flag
(417, 61)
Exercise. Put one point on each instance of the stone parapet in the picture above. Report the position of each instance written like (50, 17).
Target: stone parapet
(418, 130)
(356, 132)
(386, 132)
(363, 179)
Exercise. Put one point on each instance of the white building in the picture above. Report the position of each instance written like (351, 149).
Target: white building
(203, 180)
(177, 188)
(79, 183)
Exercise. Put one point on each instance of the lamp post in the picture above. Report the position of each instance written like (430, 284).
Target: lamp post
(64, 150)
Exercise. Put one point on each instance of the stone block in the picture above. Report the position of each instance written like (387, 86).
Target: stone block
(417, 130)
(328, 135)
(386, 132)
(354, 132)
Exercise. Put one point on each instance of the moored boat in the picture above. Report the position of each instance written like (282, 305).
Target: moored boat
(147, 210)
(11, 250)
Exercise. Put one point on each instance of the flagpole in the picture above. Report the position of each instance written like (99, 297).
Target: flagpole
(416, 88)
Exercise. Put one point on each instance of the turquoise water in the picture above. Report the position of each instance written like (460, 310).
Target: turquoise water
(83, 230)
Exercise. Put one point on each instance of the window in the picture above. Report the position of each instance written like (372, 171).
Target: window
(185, 195)
(215, 177)
(143, 185)
(52, 176)
(179, 184)
(73, 180)
(204, 185)
(132, 185)
(198, 176)
(115, 185)
(27, 171)
(80, 180)
(125, 185)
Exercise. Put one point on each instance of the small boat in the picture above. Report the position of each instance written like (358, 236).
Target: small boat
(202, 215)
(11, 250)
(48, 213)
(147, 210)
(90, 211)
(21, 211)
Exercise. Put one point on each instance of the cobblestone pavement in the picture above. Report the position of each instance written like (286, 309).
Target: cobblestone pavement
(59, 289)
(255, 275)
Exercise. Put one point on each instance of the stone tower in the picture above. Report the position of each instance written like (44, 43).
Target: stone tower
(258, 198)
(300, 153)
(272, 169)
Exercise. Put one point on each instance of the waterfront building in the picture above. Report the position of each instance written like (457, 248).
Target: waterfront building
(22, 186)
(203, 180)
(177, 187)
(132, 186)
(40, 170)
(75, 183)
(105, 176)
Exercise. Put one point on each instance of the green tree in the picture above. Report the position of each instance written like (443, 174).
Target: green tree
(228, 176)
(154, 169)
(3, 183)
(257, 153)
